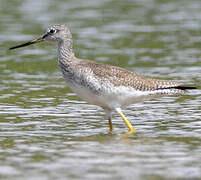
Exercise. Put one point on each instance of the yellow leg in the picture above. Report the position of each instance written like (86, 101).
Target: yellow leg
(109, 117)
(110, 124)
(129, 125)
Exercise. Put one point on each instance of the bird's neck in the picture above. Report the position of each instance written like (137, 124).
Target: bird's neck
(65, 49)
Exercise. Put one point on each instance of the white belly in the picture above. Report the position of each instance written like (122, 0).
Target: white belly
(114, 97)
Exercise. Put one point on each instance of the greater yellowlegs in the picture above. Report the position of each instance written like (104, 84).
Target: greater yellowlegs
(107, 86)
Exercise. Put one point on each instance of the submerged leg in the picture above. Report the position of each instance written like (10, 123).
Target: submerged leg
(128, 124)
(110, 124)
(109, 117)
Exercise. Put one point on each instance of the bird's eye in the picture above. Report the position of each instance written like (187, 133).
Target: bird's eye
(52, 31)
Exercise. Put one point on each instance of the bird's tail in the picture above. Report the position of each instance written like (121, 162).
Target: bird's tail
(180, 87)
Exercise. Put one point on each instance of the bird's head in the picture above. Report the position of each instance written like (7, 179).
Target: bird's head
(54, 33)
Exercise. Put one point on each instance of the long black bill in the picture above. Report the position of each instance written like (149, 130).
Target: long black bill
(29, 42)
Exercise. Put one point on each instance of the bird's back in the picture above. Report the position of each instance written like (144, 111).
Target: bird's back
(116, 76)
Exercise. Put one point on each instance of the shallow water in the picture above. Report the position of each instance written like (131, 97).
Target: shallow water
(46, 132)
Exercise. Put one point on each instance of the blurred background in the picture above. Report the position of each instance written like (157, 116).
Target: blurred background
(47, 132)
